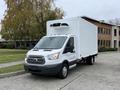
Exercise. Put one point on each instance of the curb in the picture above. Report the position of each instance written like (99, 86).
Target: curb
(12, 74)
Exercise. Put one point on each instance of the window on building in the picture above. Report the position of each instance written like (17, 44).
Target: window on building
(119, 43)
(101, 43)
(115, 43)
(102, 31)
(119, 32)
(115, 32)
(98, 43)
(98, 30)
(109, 43)
(105, 31)
(109, 31)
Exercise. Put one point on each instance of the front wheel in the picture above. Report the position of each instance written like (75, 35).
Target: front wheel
(64, 71)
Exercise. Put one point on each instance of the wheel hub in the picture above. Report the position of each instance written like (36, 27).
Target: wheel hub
(64, 71)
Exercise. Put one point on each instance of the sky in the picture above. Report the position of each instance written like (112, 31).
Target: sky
(2, 9)
(97, 9)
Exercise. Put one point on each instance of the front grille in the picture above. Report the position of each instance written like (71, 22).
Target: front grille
(36, 60)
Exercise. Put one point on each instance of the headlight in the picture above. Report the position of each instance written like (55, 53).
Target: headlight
(53, 56)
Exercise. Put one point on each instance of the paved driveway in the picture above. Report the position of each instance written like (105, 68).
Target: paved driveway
(104, 75)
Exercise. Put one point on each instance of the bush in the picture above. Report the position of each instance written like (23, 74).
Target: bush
(7, 45)
(107, 49)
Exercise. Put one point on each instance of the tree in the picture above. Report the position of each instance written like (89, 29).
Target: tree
(26, 19)
(115, 21)
(16, 24)
(46, 10)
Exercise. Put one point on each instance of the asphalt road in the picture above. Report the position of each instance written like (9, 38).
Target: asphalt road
(104, 75)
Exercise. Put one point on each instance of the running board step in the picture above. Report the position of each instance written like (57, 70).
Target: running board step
(72, 66)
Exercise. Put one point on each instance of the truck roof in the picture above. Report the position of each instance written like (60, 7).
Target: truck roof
(59, 35)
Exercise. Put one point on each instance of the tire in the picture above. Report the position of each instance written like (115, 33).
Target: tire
(64, 71)
(90, 60)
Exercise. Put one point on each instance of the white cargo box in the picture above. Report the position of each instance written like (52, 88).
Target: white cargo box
(84, 31)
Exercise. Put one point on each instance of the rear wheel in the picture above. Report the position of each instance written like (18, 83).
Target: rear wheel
(90, 60)
(64, 71)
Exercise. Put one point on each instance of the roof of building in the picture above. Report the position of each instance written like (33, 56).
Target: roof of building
(94, 20)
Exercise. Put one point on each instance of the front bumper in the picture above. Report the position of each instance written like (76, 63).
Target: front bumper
(43, 70)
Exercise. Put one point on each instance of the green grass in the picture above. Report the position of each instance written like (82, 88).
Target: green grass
(11, 55)
(12, 51)
(11, 69)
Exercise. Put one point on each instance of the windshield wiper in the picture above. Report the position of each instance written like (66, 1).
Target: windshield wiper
(47, 50)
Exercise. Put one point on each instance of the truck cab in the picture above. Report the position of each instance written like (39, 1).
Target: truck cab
(49, 55)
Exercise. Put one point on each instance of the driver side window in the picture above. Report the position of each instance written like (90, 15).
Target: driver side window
(69, 46)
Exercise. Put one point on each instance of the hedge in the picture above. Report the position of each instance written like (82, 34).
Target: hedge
(107, 49)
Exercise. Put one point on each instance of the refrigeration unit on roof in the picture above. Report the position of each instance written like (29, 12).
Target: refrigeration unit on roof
(59, 25)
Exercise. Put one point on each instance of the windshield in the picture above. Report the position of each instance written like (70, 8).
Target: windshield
(51, 42)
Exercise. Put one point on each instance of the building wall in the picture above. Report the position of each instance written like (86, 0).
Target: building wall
(119, 37)
(104, 34)
(115, 37)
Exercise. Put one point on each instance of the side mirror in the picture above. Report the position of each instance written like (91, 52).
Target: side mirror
(71, 49)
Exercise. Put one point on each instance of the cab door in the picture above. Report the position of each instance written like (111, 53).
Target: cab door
(69, 51)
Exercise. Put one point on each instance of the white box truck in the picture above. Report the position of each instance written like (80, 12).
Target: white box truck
(68, 41)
